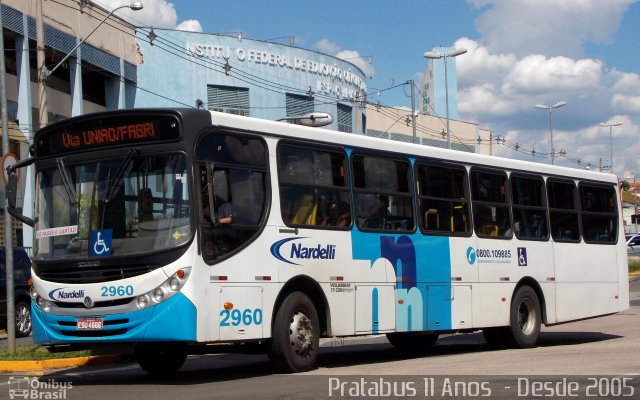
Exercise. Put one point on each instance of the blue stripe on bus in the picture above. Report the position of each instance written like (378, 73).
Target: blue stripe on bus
(171, 320)
(424, 265)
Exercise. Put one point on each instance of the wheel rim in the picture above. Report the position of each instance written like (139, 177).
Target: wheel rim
(301, 334)
(527, 316)
(23, 319)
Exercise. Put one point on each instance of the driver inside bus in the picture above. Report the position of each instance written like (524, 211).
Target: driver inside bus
(224, 211)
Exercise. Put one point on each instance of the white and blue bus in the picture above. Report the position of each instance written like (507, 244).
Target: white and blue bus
(166, 230)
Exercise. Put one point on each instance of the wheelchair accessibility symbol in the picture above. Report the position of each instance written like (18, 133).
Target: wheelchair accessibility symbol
(522, 257)
(101, 242)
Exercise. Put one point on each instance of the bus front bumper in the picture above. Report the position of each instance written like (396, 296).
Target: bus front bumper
(172, 320)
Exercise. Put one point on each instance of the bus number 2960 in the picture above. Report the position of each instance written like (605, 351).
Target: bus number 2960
(245, 317)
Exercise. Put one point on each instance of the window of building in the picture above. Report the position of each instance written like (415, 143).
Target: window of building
(442, 199)
(383, 193)
(314, 189)
(599, 214)
(529, 208)
(298, 105)
(491, 217)
(228, 99)
(94, 83)
(563, 210)
(345, 117)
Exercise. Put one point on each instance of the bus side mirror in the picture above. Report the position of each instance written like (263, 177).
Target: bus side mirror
(12, 191)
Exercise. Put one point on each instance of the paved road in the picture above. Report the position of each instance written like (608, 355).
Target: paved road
(603, 351)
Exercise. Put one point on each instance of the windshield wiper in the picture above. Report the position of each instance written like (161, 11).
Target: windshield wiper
(66, 180)
(113, 186)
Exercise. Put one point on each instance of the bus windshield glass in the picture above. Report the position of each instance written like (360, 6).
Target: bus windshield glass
(117, 207)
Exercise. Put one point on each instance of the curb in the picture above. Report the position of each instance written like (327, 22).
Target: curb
(56, 363)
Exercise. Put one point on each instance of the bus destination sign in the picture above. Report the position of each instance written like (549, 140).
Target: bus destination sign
(105, 132)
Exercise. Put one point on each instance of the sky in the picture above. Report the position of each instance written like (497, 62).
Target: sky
(519, 53)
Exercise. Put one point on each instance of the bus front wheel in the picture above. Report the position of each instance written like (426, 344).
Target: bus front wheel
(161, 359)
(296, 334)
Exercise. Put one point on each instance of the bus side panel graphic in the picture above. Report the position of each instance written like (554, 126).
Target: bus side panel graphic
(423, 274)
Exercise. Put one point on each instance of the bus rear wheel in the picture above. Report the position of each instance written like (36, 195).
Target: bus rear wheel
(296, 334)
(161, 359)
(526, 318)
(412, 341)
(525, 321)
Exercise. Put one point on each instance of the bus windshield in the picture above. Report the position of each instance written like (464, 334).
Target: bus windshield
(142, 202)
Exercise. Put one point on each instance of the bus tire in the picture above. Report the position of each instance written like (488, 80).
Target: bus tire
(296, 334)
(161, 359)
(412, 341)
(526, 318)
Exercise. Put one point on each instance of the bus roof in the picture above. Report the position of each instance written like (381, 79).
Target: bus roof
(283, 129)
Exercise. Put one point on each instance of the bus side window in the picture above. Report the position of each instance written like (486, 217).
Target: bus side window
(491, 214)
(563, 210)
(313, 187)
(442, 199)
(529, 207)
(383, 193)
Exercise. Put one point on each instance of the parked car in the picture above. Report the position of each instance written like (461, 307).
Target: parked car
(633, 244)
(21, 274)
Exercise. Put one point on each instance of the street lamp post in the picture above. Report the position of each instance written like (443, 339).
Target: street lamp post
(435, 55)
(134, 5)
(544, 107)
(611, 125)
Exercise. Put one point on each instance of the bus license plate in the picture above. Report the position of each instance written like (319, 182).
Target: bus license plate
(89, 324)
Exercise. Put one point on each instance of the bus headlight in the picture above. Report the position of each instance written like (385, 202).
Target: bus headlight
(174, 284)
(143, 301)
(33, 293)
(166, 290)
(44, 305)
(158, 295)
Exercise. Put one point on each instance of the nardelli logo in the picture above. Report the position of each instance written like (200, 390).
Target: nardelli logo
(299, 252)
(66, 294)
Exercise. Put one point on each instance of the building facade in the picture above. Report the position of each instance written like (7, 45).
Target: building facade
(254, 78)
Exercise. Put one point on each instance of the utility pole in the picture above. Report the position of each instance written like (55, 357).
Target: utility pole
(42, 68)
(413, 110)
(8, 231)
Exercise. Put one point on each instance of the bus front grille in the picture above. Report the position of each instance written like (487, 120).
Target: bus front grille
(74, 274)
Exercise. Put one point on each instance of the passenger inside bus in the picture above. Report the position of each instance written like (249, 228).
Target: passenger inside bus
(378, 213)
(337, 214)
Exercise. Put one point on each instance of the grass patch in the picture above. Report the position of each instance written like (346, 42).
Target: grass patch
(36, 352)
(634, 265)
